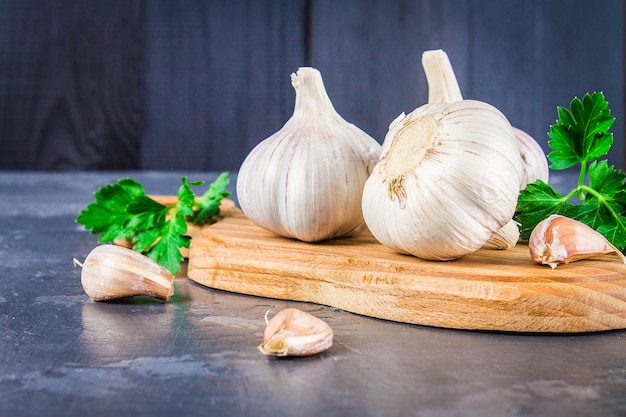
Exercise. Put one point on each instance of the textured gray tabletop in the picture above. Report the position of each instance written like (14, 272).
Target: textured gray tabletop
(62, 354)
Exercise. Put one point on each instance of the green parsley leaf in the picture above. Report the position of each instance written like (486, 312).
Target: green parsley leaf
(186, 198)
(579, 137)
(537, 202)
(143, 227)
(108, 216)
(607, 181)
(124, 211)
(166, 251)
(581, 134)
(208, 205)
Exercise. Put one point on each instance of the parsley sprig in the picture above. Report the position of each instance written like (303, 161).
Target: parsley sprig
(580, 137)
(123, 211)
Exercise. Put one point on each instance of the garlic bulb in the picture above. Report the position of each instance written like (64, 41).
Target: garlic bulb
(561, 240)
(306, 180)
(447, 179)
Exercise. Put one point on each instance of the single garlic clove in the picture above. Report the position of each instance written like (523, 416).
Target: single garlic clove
(293, 332)
(504, 238)
(559, 239)
(534, 161)
(111, 272)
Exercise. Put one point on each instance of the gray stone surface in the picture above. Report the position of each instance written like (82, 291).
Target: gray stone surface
(62, 354)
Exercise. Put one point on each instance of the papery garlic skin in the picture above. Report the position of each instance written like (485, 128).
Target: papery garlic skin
(293, 332)
(306, 180)
(111, 272)
(560, 240)
(448, 177)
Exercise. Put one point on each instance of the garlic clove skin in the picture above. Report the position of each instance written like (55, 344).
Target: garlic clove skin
(561, 240)
(306, 180)
(535, 163)
(534, 167)
(112, 272)
(293, 332)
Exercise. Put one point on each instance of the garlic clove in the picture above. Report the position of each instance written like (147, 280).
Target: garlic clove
(293, 332)
(306, 180)
(506, 237)
(111, 272)
(535, 163)
(560, 240)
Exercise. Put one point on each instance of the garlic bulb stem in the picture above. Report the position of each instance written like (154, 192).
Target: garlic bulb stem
(311, 97)
(443, 86)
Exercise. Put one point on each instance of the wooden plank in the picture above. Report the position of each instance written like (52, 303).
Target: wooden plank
(196, 84)
(218, 79)
(71, 84)
(487, 290)
(369, 53)
(529, 57)
(524, 57)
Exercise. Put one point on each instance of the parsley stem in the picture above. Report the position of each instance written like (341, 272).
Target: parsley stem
(581, 179)
(600, 198)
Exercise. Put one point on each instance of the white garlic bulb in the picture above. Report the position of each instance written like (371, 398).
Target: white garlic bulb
(306, 180)
(447, 179)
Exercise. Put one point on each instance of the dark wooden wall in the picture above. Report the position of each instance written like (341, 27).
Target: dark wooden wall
(194, 85)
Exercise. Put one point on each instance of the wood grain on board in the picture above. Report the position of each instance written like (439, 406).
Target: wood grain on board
(500, 290)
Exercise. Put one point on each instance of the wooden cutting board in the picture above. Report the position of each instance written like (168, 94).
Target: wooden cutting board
(500, 290)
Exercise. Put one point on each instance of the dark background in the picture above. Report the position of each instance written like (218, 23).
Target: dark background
(194, 85)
